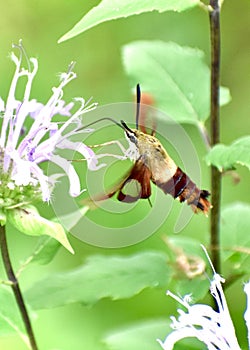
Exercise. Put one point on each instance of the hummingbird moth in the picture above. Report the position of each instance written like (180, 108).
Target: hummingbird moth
(152, 163)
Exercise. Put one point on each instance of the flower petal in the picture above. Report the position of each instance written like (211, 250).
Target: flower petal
(214, 329)
(85, 151)
(74, 182)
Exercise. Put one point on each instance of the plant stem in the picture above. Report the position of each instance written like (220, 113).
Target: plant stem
(215, 131)
(15, 287)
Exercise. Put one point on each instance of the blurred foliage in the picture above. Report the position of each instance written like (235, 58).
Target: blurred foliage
(227, 157)
(176, 76)
(100, 74)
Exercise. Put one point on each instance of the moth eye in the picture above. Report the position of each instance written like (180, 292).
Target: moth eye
(132, 138)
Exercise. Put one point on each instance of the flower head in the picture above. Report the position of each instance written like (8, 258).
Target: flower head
(214, 328)
(23, 150)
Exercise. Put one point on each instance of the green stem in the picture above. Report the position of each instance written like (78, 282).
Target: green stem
(215, 131)
(15, 287)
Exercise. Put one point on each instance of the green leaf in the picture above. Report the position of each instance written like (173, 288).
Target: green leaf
(235, 238)
(197, 287)
(138, 336)
(28, 221)
(144, 335)
(227, 157)
(177, 77)
(47, 247)
(101, 277)
(44, 252)
(112, 9)
(10, 318)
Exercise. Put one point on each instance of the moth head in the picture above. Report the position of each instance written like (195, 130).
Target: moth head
(131, 134)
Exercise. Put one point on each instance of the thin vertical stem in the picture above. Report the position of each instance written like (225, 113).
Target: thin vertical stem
(215, 131)
(15, 287)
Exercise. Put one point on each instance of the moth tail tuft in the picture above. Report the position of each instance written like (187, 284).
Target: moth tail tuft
(202, 204)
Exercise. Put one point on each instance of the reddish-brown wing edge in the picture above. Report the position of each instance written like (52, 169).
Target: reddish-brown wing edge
(139, 172)
(146, 101)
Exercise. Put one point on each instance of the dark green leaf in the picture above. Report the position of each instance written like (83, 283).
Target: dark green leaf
(177, 77)
(227, 157)
(112, 9)
(102, 276)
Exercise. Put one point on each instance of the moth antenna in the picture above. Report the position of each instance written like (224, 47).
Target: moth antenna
(99, 120)
(125, 127)
(138, 101)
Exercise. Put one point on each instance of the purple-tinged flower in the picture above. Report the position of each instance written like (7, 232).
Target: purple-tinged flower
(23, 149)
(214, 328)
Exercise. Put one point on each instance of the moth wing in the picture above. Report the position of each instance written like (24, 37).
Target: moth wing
(147, 114)
(91, 202)
(137, 184)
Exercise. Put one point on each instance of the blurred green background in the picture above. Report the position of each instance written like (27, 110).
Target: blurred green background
(100, 74)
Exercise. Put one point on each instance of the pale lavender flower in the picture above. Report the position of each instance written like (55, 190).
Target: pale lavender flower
(214, 328)
(22, 151)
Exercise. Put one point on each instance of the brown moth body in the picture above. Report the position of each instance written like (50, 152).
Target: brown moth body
(152, 163)
(155, 164)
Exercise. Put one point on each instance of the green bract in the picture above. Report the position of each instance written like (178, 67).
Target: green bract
(28, 221)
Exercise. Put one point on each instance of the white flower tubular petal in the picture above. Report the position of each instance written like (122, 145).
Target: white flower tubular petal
(23, 110)
(43, 182)
(74, 186)
(10, 101)
(22, 175)
(63, 109)
(23, 151)
(214, 329)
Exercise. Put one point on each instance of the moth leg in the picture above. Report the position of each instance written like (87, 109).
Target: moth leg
(113, 142)
(102, 155)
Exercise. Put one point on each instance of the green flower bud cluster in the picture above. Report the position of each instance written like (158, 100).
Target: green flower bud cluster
(12, 195)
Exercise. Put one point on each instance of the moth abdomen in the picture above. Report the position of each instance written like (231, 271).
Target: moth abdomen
(182, 187)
